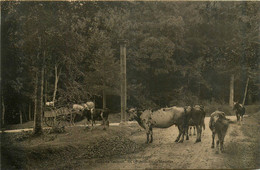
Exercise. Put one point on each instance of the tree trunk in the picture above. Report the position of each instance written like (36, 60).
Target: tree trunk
(3, 112)
(123, 81)
(30, 112)
(25, 115)
(94, 101)
(57, 75)
(38, 115)
(231, 94)
(104, 99)
(45, 87)
(244, 99)
(35, 95)
(21, 116)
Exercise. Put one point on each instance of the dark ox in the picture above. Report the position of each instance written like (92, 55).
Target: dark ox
(218, 124)
(97, 115)
(240, 110)
(162, 118)
(197, 116)
(191, 125)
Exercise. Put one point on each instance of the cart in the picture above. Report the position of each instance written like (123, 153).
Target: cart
(59, 117)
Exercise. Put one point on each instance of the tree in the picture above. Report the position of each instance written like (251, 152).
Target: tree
(103, 74)
(178, 53)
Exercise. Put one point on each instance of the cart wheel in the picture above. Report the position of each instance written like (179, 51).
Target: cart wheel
(49, 121)
(62, 121)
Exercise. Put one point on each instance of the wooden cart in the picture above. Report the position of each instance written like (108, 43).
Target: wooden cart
(59, 117)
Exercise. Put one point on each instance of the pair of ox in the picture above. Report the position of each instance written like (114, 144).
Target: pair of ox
(89, 112)
(81, 107)
(97, 115)
(166, 117)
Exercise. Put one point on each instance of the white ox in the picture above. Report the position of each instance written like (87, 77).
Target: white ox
(78, 107)
(49, 103)
(81, 107)
(89, 105)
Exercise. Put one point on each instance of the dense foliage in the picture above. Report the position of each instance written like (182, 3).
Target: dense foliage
(178, 53)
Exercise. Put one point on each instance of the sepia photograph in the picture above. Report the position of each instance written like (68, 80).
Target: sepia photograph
(130, 85)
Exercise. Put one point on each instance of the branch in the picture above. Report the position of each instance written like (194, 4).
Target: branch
(59, 73)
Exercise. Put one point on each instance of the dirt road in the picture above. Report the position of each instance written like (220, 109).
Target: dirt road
(165, 153)
(79, 148)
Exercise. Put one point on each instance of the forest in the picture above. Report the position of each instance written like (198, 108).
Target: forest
(178, 53)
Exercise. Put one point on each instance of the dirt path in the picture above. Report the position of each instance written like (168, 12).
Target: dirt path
(165, 153)
(79, 125)
(81, 148)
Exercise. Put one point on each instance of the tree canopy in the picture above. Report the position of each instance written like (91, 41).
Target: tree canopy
(178, 53)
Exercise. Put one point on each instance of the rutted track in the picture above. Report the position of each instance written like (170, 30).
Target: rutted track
(165, 153)
(30, 129)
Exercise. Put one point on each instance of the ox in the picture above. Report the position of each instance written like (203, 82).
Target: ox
(49, 104)
(218, 124)
(97, 115)
(240, 110)
(162, 118)
(78, 107)
(191, 125)
(197, 116)
(89, 105)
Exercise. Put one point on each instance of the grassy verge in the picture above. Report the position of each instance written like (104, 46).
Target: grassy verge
(243, 150)
(59, 151)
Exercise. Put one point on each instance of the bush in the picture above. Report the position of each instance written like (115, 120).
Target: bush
(184, 99)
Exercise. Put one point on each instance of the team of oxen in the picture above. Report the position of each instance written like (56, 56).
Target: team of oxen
(92, 114)
(185, 118)
(88, 112)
